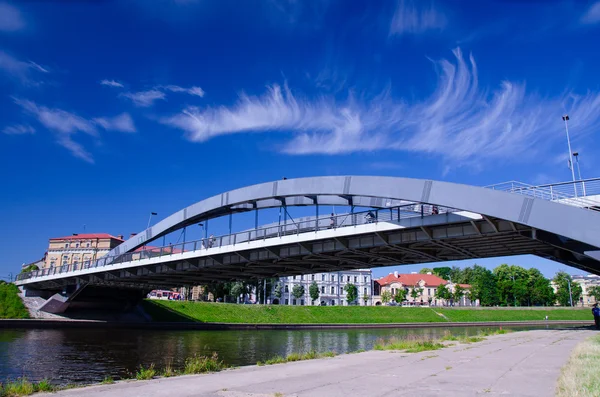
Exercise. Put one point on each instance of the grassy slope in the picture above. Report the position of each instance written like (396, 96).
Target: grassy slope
(275, 314)
(259, 314)
(468, 315)
(579, 377)
(11, 306)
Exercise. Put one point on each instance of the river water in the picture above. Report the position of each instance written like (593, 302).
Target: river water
(89, 355)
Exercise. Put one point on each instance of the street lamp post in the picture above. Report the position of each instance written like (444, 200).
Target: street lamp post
(576, 155)
(150, 219)
(570, 294)
(566, 120)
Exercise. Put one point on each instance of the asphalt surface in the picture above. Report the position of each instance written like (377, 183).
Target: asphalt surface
(517, 364)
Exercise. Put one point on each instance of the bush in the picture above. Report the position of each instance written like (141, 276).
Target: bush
(145, 373)
(11, 306)
(202, 364)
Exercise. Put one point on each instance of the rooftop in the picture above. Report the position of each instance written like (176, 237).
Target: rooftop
(85, 236)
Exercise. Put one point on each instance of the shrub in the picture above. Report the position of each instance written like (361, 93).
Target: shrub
(145, 373)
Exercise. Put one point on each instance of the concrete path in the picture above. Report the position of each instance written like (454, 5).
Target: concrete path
(517, 364)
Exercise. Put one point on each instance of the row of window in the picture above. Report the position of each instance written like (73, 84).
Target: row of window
(333, 289)
(332, 278)
(394, 290)
(77, 245)
(323, 303)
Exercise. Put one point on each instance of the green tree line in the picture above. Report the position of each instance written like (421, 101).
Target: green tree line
(511, 285)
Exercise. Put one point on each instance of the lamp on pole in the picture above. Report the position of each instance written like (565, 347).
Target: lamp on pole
(576, 155)
(566, 120)
(150, 218)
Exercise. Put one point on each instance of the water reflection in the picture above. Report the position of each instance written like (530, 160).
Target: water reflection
(89, 355)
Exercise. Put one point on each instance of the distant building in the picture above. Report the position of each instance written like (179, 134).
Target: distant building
(331, 288)
(586, 282)
(79, 250)
(426, 284)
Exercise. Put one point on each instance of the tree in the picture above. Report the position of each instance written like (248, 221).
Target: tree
(483, 286)
(278, 291)
(298, 291)
(351, 293)
(540, 291)
(595, 292)
(30, 268)
(443, 272)
(512, 283)
(237, 289)
(386, 296)
(458, 293)
(313, 291)
(416, 292)
(400, 295)
(426, 270)
(443, 293)
(562, 281)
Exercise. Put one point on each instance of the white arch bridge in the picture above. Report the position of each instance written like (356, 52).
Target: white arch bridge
(400, 221)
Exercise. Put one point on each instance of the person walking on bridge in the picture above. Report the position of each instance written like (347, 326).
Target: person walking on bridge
(596, 313)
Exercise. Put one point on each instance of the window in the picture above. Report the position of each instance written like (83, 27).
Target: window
(312, 277)
(356, 279)
(294, 277)
(393, 291)
(322, 290)
(348, 279)
(428, 291)
(301, 302)
(294, 302)
(322, 277)
(301, 277)
(86, 263)
(52, 263)
(88, 245)
(333, 302)
(333, 277)
(287, 301)
(341, 303)
(365, 291)
(287, 289)
(366, 279)
(77, 245)
(333, 290)
(67, 245)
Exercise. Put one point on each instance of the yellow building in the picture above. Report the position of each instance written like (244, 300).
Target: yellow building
(79, 250)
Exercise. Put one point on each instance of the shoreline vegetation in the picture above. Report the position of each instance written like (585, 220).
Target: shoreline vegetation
(210, 364)
(202, 312)
(579, 376)
(11, 305)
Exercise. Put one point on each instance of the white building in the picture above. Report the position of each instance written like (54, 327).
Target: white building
(331, 288)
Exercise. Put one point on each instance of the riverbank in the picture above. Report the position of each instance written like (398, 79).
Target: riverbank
(11, 305)
(519, 364)
(201, 312)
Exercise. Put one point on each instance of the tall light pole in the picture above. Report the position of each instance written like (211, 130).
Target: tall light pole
(576, 155)
(150, 219)
(566, 120)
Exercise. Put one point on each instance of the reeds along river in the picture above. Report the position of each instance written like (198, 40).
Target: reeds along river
(89, 355)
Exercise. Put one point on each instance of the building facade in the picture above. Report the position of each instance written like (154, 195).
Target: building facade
(425, 285)
(586, 282)
(79, 250)
(331, 288)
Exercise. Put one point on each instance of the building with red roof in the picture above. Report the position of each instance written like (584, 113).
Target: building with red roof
(425, 287)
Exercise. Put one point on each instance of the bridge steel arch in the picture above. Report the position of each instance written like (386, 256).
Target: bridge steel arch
(574, 230)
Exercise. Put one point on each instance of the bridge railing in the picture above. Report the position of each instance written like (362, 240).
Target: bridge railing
(290, 227)
(584, 193)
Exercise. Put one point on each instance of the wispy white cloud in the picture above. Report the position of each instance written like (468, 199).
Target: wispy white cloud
(592, 15)
(111, 83)
(459, 121)
(196, 91)
(10, 18)
(20, 70)
(415, 17)
(122, 122)
(145, 98)
(67, 125)
(18, 129)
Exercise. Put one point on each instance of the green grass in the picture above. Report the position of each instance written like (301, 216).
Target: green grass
(108, 380)
(11, 306)
(203, 364)
(409, 345)
(172, 311)
(282, 314)
(514, 314)
(145, 373)
(311, 355)
(23, 387)
(579, 377)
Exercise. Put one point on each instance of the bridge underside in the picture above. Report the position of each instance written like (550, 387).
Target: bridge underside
(471, 239)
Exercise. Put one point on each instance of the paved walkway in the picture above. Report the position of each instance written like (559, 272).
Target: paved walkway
(516, 364)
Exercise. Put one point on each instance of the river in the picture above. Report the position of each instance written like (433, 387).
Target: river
(89, 355)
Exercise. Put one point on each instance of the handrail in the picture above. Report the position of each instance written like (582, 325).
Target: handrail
(392, 214)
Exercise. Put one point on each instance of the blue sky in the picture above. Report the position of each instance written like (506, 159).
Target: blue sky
(112, 109)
